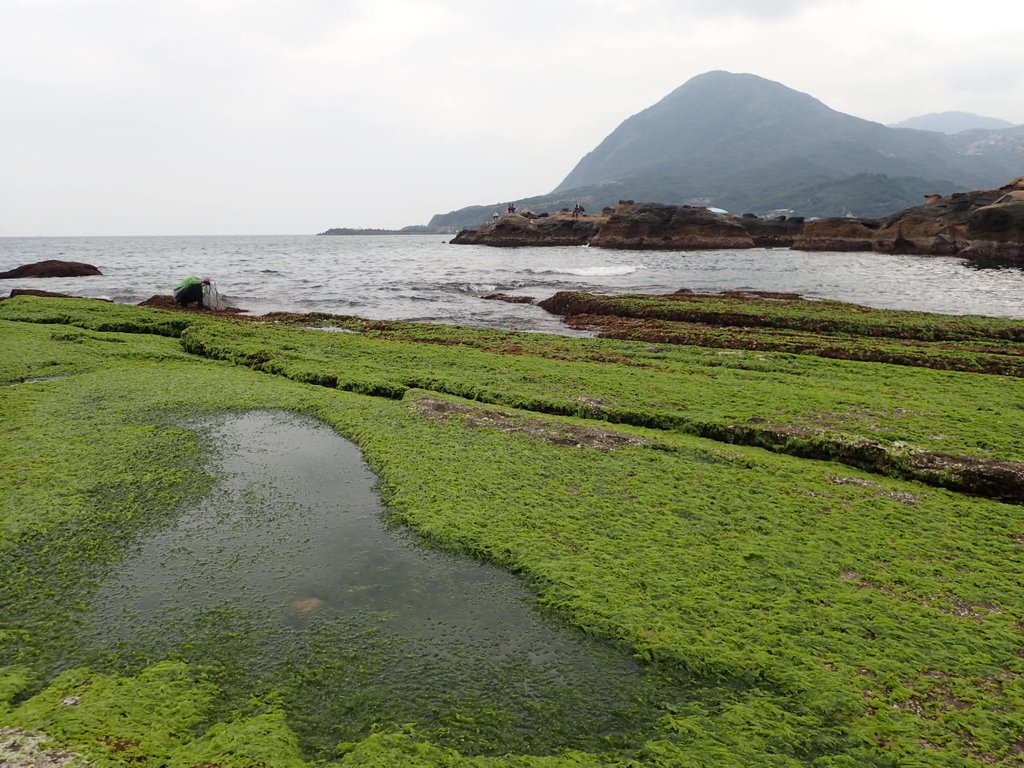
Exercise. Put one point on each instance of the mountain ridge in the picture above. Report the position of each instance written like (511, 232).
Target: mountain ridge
(952, 121)
(745, 143)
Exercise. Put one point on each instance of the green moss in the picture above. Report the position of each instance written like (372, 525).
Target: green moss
(13, 680)
(263, 739)
(870, 415)
(789, 312)
(795, 612)
(116, 721)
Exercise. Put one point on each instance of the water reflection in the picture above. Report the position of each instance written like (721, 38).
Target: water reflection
(287, 573)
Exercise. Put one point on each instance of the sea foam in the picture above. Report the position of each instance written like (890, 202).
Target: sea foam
(612, 271)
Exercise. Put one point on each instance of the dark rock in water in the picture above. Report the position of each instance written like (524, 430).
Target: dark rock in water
(51, 268)
(509, 299)
(513, 229)
(656, 226)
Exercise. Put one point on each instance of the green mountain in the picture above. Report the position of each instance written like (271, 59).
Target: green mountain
(744, 143)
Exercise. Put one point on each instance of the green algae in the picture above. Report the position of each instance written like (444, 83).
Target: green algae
(789, 311)
(889, 419)
(801, 612)
(983, 356)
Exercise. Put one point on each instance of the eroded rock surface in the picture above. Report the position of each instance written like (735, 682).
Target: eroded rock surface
(671, 227)
(837, 234)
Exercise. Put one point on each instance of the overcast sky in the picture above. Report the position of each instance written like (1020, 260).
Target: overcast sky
(292, 116)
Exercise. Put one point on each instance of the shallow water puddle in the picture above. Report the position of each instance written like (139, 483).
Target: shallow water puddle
(287, 577)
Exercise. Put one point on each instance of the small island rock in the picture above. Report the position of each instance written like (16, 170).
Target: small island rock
(51, 268)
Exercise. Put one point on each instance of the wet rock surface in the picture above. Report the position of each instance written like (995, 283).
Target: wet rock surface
(509, 298)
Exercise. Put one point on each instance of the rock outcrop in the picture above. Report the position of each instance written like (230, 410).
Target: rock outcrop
(778, 232)
(514, 229)
(985, 227)
(837, 234)
(509, 299)
(654, 226)
(51, 268)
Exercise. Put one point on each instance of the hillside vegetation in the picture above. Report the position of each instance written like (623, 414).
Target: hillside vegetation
(747, 144)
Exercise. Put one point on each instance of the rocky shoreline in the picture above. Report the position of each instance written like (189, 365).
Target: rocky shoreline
(985, 227)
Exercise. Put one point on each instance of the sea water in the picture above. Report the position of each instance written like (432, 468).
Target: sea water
(425, 278)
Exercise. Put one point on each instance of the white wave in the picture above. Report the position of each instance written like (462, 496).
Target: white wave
(613, 271)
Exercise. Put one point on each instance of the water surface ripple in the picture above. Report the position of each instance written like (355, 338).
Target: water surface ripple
(422, 277)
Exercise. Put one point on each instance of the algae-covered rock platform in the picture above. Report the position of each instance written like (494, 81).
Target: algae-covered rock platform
(747, 531)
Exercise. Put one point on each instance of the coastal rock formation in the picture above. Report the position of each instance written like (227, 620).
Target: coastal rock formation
(985, 226)
(513, 229)
(654, 226)
(778, 232)
(51, 268)
(837, 234)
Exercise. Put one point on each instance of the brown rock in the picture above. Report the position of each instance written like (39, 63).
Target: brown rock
(837, 234)
(985, 226)
(937, 228)
(654, 226)
(51, 268)
(780, 232)
(994, 254)
(512, 230)
(167, 302)
(508, 298)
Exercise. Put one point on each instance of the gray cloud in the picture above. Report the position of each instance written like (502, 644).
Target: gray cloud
(230, 116)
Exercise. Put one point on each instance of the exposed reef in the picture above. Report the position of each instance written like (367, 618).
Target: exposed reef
(761, 607)
(984, 226)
